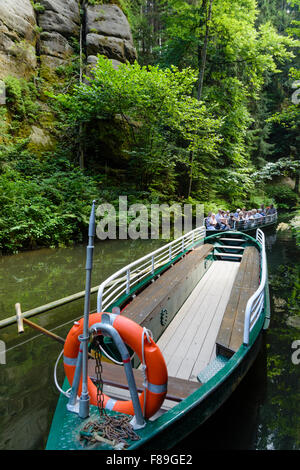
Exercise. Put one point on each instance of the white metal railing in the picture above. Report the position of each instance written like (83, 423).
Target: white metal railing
(255, 223)
(255, 304)
(123, 281)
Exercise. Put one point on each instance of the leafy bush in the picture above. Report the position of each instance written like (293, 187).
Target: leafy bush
(38, 7)
(21, 99)
(214, 205)
(284, 196)
(43, 202)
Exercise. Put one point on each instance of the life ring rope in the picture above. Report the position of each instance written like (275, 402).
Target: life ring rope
(148, 335)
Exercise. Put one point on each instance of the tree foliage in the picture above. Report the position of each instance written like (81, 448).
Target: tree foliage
(164, 121)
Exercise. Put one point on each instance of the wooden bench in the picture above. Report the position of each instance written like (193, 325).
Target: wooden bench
(114, 375)
(157, 304)
(230, 336)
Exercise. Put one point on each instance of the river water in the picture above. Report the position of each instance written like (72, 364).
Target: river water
(263, 413)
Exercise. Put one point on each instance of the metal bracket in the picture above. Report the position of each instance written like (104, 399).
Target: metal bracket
(163, 317)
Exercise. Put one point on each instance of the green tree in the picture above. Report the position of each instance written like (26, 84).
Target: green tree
(164, 123)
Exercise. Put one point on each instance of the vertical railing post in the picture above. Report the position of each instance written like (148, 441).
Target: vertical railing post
(84, 402)
(128, 281)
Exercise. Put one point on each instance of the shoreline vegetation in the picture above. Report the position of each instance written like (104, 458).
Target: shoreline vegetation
(205, 118)
(295, 227)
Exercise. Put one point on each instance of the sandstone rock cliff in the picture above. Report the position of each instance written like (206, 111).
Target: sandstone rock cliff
(17, 38)
(108, 33)
(60, 22)
(30, 38)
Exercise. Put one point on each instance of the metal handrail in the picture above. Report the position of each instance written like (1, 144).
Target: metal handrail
(254, 223)
(133, 273)
(255, 304)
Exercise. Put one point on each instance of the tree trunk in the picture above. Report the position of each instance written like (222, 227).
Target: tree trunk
(202, 53)
(81, 145)
(297, 183)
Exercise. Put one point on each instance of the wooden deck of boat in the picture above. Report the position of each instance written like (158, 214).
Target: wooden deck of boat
(207, 323)
(189, 342)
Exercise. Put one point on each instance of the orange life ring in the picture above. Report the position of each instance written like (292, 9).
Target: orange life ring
(131, 333)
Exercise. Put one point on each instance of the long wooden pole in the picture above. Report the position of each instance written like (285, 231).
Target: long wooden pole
(40, 329)
(21, 320)
(58, 303)
(44, 308)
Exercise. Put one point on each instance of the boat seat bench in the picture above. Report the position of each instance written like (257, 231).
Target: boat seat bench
(156, 305)
(112, 375)
(230, 335)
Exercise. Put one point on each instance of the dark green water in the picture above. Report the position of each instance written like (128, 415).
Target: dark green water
(263, 413)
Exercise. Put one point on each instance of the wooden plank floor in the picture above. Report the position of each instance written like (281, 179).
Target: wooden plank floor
(188, 344)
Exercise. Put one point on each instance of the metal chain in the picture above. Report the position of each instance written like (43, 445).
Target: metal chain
(117, 429)
(99, 381)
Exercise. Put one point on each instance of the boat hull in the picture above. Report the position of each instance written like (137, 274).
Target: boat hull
(185, 417)
(175, 425)
(191, 421)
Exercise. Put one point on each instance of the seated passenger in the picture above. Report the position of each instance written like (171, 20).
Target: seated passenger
(255, 214)
(259, 212)
(240, 220)
(262, 210)
(231, 221)
(210, 221)
(221, 220)
(271, 210)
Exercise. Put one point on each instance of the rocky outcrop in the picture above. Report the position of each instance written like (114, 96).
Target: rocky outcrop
(59, 23)
(17, 38)
(46, 36)
(60, 16)
(38, 36)
(108, 33)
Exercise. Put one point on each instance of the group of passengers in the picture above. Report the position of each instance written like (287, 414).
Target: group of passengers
(226, 220)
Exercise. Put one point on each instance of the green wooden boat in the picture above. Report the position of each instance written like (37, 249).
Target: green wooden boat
(206, 302)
